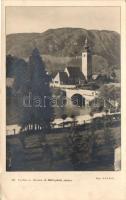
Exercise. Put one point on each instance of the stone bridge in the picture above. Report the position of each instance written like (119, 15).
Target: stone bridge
(80, 96)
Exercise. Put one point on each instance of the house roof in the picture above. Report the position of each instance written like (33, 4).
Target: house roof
(53, 74)
(63, 77)
(75, 73)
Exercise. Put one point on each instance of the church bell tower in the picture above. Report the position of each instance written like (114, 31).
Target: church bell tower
(86, 61)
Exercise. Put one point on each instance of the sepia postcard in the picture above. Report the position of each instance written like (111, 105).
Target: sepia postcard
(63, 100)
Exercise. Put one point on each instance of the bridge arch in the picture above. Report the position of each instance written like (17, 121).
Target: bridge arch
(78, 100)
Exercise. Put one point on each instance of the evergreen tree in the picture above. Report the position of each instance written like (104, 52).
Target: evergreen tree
(38, 111)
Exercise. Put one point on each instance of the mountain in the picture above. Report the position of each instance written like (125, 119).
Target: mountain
(63, 46)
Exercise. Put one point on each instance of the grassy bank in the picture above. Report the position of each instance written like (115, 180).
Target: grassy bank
(55, 152)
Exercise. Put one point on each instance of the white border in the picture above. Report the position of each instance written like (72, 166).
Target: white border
(84, 185)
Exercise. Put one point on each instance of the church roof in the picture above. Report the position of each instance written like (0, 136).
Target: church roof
(75, 73)
(63, 77)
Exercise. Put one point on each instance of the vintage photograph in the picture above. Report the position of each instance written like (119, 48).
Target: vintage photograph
(63, 93)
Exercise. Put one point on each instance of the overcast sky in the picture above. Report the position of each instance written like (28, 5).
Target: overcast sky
(39, 19)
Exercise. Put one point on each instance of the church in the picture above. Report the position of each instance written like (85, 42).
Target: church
(72, 76)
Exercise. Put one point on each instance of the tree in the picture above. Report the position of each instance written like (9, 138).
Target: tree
(110, 92)
(40, 111)
(16, 70)
(10, 68)
(111, 95)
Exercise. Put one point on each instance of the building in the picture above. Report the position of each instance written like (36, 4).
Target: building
(87, 61)
(61, 78)
(72, 76)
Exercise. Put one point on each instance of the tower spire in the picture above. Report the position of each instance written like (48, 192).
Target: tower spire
(86, 44)
(86, 41)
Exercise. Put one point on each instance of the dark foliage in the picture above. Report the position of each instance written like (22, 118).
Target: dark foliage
(39, 111)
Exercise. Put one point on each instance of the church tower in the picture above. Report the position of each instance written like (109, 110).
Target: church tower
(86, 61)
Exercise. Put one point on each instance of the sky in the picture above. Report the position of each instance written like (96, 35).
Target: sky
(39, 19)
